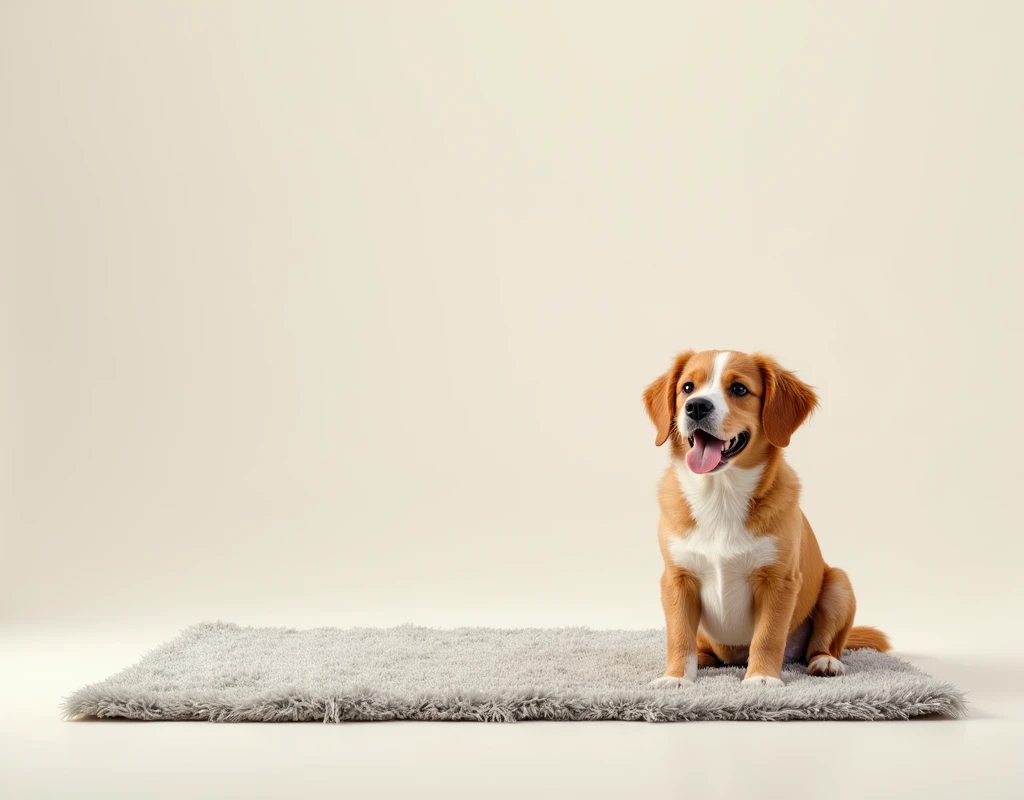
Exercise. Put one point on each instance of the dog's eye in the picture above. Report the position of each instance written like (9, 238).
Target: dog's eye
(688, 387)
(738, 389)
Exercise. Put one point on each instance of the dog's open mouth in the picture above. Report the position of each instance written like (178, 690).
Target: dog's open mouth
(708, 453)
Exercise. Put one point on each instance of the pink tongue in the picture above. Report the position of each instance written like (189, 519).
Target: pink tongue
(706, 453)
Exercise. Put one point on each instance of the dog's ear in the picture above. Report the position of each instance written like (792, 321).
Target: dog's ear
(787, 402)
(660, 398)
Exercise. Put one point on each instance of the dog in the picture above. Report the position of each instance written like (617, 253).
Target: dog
(744, 579)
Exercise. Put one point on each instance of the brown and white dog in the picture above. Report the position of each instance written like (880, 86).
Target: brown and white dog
(744, 580)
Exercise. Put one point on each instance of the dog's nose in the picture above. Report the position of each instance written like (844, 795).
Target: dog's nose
(698, 408)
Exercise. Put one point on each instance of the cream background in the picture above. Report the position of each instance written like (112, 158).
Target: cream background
(340, 313)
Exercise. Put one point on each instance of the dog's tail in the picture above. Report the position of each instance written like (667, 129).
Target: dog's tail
(866, 636)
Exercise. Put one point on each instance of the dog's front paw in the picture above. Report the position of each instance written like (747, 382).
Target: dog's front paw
(670, 682)
(761, 680)
(826, 666)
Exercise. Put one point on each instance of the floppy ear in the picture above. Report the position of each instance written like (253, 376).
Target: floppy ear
(787, 403)
(660, 398)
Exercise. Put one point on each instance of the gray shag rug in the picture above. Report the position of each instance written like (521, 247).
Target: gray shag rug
(227, 673)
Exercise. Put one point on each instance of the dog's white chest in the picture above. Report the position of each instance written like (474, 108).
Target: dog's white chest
(722, 553)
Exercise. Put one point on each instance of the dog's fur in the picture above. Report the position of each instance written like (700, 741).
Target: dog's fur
(744, 580)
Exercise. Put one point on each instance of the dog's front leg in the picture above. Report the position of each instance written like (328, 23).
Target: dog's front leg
(774, 600)
(680, 597)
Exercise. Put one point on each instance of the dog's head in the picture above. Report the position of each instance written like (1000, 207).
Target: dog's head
(721, 407)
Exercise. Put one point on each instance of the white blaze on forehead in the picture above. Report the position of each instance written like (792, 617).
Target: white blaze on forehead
(714, 383)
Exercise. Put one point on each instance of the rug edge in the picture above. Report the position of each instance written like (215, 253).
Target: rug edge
(934, 698)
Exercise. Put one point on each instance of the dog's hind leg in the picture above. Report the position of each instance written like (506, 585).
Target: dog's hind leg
(831, 623)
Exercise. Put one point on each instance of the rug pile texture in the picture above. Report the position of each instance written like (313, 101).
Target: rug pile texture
(227, 673)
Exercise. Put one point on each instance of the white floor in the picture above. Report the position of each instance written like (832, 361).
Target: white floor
(41, 756)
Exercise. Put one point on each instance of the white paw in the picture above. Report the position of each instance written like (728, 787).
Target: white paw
(826, 666)
(762, 680)
(670, 682)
